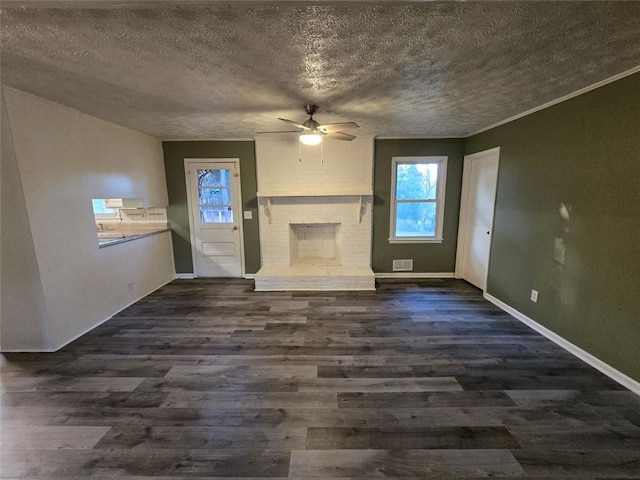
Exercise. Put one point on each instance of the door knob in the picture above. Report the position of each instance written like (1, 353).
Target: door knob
(487, 232)
(235, 228)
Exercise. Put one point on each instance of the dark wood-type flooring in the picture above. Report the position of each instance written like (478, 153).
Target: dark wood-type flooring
(207, 378)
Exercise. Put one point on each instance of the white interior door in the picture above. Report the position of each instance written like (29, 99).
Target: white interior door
(215, 217)
(479, 184)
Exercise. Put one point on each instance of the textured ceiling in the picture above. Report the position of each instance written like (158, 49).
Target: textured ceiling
(194, 70)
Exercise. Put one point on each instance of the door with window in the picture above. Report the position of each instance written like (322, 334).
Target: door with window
(215, 217)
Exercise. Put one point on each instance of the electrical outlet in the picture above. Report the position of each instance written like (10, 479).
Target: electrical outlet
(130, 286)
(534, 296)
(248, 215)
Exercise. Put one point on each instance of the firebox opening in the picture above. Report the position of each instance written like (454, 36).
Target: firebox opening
(314, 244)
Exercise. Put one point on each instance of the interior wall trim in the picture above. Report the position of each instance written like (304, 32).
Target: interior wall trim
(50, 349)
(561, 99)
(29, 349)
(191, 276)
(64, 344)
(210, 139)
(583, 355)
(435, 137)
(415, 275)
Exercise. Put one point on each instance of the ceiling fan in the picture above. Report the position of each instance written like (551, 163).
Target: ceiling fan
(311, 132)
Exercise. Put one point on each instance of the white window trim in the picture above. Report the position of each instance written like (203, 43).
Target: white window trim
(105, 216)
(440, 197)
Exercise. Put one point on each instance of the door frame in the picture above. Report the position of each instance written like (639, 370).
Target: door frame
(237, 186)
(464, 210)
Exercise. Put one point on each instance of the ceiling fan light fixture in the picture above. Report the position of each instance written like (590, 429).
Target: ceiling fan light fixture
(311, 132)
(310, 138)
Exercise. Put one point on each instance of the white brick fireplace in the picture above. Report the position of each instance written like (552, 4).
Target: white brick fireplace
(315, 215)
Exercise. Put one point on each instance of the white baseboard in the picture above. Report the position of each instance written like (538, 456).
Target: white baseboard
(583, 355)
(29, 349)
(415, 275)
(111, 316)
(185, 276)
(64, 344)
(191, 276)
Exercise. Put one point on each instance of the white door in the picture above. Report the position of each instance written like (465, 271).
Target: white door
(479, 182)
(215, 217)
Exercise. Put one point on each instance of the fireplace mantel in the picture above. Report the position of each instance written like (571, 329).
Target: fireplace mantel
(359, 198)
(348, 193)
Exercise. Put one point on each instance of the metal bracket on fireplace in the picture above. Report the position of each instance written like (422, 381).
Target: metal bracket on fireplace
(267, 209)
(362, 208)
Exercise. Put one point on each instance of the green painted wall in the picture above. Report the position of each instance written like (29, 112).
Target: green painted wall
(582, 156)
(174, 155)
(427, 257)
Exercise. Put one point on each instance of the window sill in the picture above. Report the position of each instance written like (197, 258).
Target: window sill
(416, 240)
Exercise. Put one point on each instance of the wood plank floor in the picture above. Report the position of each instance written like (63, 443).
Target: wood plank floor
(206, 378)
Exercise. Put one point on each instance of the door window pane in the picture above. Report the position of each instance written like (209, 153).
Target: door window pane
(214, 196)
(219, 177)
(216, 214)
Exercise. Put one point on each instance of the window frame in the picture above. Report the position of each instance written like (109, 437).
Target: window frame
(439, 199)
(105, 216)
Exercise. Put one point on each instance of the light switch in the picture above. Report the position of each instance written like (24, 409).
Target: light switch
(248, 215)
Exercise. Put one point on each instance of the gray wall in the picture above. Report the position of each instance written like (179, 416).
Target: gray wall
(178, 213)
(427, 257)
(583, 153)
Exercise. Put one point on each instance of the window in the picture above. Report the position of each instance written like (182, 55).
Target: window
(101, 210)
(417, 199)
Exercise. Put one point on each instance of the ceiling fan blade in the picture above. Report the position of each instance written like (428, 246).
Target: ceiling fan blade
(299, 125)
(334, 127)
(282, 131)
(341, 136)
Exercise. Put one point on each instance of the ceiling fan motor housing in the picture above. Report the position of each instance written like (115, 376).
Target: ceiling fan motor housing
(311, 124)
(311, 109)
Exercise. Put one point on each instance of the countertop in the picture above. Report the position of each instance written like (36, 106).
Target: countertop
(113, 237)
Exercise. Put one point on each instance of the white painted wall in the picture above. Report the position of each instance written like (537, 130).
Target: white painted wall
(65, 158)
(21, 296)
(345, 167)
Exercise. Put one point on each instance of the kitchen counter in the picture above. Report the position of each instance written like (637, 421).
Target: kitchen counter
(110, 237)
